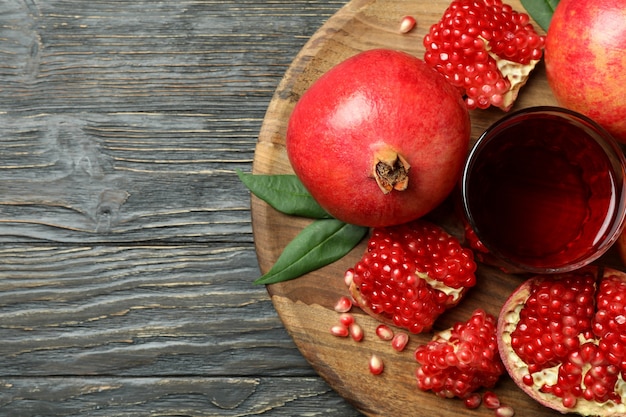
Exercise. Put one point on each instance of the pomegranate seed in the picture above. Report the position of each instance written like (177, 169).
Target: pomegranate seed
(384, 332)
(348, 277)
(400, 341)
(473, 401)
(407, 24)
(344, 304)
(356, 332)
(339, 330)
(505, 411)
(346, 319)
(376, 365)
(491, 400)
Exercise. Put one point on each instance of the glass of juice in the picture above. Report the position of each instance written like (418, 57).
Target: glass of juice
(543, 189)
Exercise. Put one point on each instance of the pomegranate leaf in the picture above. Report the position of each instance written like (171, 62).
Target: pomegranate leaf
(285, 193)
(541, 11)
(322, 242)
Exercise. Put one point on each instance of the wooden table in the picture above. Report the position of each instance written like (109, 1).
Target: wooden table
(127, 255)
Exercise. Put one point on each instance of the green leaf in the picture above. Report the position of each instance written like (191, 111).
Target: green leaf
(541, 11)
(322, 242)
(285, 193)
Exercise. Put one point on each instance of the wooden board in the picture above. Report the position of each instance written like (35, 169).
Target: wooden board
(306, 304)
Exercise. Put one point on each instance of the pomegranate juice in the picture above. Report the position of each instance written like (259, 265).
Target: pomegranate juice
(542, 193)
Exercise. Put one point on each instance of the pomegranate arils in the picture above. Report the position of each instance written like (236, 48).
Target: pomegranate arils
(412, 273)
(376, 365)
(407, 24)
(505, 411)
(339, 330)
(343, 305)
(484, 48)
(356, 332)
(472, 401)
(346, 319)
(491, 400)
(384, 332)
(563, 338)
(460, 360)
(553, 317)
(399, 341)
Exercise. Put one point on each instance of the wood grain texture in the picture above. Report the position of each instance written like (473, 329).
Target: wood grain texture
(127, 256)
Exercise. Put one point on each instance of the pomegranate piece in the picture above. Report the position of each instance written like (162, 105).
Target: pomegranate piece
(412, 273)
(380, 139)
(486, 49)
(562, 339)
(462, 359)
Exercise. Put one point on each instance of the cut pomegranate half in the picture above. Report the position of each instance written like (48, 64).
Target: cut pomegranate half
(486, 49)
(562, 339)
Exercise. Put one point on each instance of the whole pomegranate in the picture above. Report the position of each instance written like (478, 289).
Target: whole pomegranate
(585, 57)
(379, 139)
(562, 338)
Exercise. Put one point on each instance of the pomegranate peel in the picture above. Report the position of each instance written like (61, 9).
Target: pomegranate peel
(562, 340)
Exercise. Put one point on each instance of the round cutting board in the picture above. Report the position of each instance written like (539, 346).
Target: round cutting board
(305, 305)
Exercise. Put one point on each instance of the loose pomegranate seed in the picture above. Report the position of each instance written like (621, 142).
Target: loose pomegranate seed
(472, 401)
(400, 341)
(356, 332)
(376, 365)
(407, 24)
(491, 400)
(339, 330)
(344, 304)
(346, 319)
(505, 411)
(384, 332)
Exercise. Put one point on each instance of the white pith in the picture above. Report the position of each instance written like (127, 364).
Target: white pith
(549, 375)
(456, 293)
(516, 73)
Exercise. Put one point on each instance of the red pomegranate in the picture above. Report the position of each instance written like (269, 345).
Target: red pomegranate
(379, 139)
(562, 339)
(585, 56)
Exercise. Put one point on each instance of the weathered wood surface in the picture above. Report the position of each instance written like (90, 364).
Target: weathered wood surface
(127, 255)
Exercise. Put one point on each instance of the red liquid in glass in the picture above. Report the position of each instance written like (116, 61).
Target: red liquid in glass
(543, 195)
